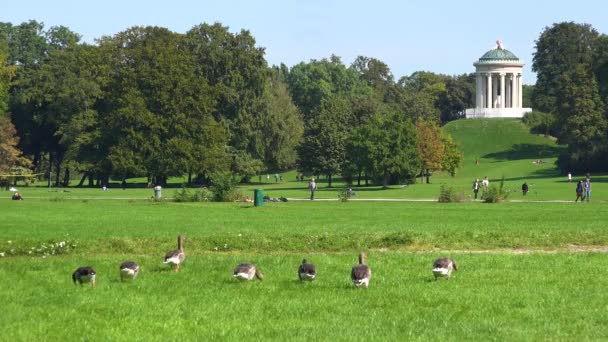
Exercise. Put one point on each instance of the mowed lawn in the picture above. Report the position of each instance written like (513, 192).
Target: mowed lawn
(494, 296)
(145, 227)
(491, 297)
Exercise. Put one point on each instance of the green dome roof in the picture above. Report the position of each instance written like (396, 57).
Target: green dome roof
(498, 55)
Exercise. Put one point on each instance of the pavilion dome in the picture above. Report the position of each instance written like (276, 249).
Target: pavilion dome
(498, 55)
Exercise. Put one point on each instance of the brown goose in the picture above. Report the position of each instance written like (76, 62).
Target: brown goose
(84, 274)
(247, 272)
(442, 267)
(129, 270)
(177, 256)
(307, 271)
(361, 274)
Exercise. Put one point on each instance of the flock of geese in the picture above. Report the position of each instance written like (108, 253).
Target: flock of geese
(360, 274)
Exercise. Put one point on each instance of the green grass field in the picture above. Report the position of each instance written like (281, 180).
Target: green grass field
(528, 270)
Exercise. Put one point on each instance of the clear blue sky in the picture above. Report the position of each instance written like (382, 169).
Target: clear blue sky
(439, 36)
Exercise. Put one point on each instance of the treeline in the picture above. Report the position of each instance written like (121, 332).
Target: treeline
(571, 93)
(151, 102)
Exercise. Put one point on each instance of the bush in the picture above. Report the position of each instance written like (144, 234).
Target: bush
(448, 194)
(496, 194)
(187, 195)
(345, 194)
(224, 187)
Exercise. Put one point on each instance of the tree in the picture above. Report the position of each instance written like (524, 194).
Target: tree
(159, 110)
(452, 157)
(10, 156)
(430, 147)
(600, 65)
(559, 49)
(310, 84)
(376, 74)
(458, 96)
(323, 148)
(281, 126)
(235, 69)
(391, 148)
(581, 122)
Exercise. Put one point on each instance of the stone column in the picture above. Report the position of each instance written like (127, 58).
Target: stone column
(489, 91)
(494, 93)
(508, 91)
(502, 90)
(520, 91)
(478, 91)
(514, 90)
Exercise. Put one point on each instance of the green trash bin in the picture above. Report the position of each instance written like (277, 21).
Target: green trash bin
(258, 197)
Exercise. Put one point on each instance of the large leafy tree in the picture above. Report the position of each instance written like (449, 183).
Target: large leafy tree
(159, 109)
(39, 100)
(323, 148)
(581, 121)
(310, 84)
(559, 49)
(388, 144)
(281, 125)
(237, 73)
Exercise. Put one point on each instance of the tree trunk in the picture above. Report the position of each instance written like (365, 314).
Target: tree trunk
(50, 182)
(428, 176)
(189, 177)
(84, 177)
(385, 180)
(58, 172)
(66, 177)
(329, 181)
(91, 180)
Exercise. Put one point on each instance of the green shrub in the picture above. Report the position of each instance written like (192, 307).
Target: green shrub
(224, 187)
(188, 195)
(448, 194)
(496, 194)
(344, 194)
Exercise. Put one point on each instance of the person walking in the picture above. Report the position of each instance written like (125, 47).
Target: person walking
(476, 187)
(587, 188)
(485, 183)
(579, 191)
(312, 186)
(524, 188)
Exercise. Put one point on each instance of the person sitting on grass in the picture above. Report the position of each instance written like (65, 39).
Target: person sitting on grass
(17, 197)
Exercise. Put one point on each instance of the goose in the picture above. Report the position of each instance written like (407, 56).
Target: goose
(442, 267)
(84, 274)
(129, 270)
(247, 272)
(361, 274)
(177, 256)
(307, 271)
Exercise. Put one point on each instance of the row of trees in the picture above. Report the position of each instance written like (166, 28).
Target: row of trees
(151, 102)
(571, 61)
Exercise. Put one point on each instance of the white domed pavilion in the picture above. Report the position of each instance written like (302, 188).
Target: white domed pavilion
(499, 85)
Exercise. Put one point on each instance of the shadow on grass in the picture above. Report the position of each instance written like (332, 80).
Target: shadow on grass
(527, 151)
(538, 174)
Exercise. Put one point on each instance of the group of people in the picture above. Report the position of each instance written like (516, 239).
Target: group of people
(484, 184)
(583, 189)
